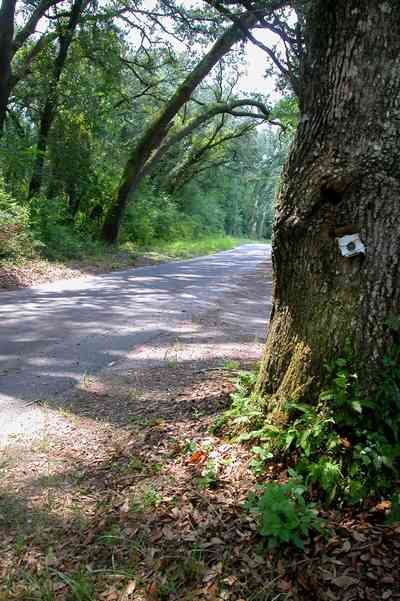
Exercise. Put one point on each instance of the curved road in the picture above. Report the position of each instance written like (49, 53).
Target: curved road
(52, 334)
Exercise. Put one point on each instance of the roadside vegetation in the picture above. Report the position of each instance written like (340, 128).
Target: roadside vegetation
(105, 154)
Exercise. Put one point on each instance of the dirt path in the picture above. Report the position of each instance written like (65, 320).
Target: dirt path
(54, 335)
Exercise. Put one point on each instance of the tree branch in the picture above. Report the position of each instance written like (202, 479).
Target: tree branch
(30, 26)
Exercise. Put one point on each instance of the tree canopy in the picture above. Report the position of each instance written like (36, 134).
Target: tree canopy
(112, 111)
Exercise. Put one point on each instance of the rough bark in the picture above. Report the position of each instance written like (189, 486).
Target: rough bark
(50, 107)
(342, 176)
(158, 129)
(7, 16)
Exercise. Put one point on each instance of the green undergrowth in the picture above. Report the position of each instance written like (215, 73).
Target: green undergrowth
(38, 229)
(183, 248)
(341, 450)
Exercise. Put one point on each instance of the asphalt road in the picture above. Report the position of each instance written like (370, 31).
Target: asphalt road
(53, 334)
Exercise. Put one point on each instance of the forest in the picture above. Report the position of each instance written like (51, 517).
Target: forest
(224, 428)
(116, 127)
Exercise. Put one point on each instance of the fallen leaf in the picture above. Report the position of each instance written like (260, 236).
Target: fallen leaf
(284, 586)
(198, 457)
(130, 588)
(152, 588)
(125, 506)
(344, 581)
(230, 580)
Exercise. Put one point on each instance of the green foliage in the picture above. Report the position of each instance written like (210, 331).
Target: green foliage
(16, 241)
(283, 514)
(287, 111)
(247, 408)
(209, 475)
(219, 180)
(156, 218)
(60, 237)
(394, 514)
(262, 456)
(344, 446)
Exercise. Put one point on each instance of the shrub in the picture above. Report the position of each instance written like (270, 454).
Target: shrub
(345, 446)
(16, 241)
(155, 217)
(60, 237)
(283, 514)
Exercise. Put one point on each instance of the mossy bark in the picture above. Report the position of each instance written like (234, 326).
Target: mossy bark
(7, 17)
(342, 176)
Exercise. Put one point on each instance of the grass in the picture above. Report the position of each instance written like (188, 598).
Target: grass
(191, 248)
(100, 258)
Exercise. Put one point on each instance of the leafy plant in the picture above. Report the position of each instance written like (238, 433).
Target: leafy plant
(394, 514)
(262, 455)
(151, 498)
(283, 514)
(346, 446)
(16, 240)
(209, 475)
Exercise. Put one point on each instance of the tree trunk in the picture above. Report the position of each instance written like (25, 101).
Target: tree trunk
(7, 16)
(50, 107)
(342, 177)
(10, 45)
(158, 129)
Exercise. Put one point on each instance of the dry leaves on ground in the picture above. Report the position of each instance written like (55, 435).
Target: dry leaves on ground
(154, 511)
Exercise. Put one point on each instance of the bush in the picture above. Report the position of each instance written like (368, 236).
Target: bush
(16, 241)
(59, 236)
(156, 217)
(344, 446)
(283, 514)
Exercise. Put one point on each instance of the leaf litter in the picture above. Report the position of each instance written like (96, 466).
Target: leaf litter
(135, 500)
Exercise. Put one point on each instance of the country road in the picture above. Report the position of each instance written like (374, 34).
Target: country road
(53, 334)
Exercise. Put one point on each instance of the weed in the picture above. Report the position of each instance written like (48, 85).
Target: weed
(111, 536)
(150, 499)
(283, 514)
(197, 552)
(344, 445)
(143, 422)
(167, 587)
(190, 446)
(20, 544)
(231, 364)
(80, 585)
(134, 464)
(209, 475)
(156, 468)
(218, 424)
(262, 455)
(40, 587)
